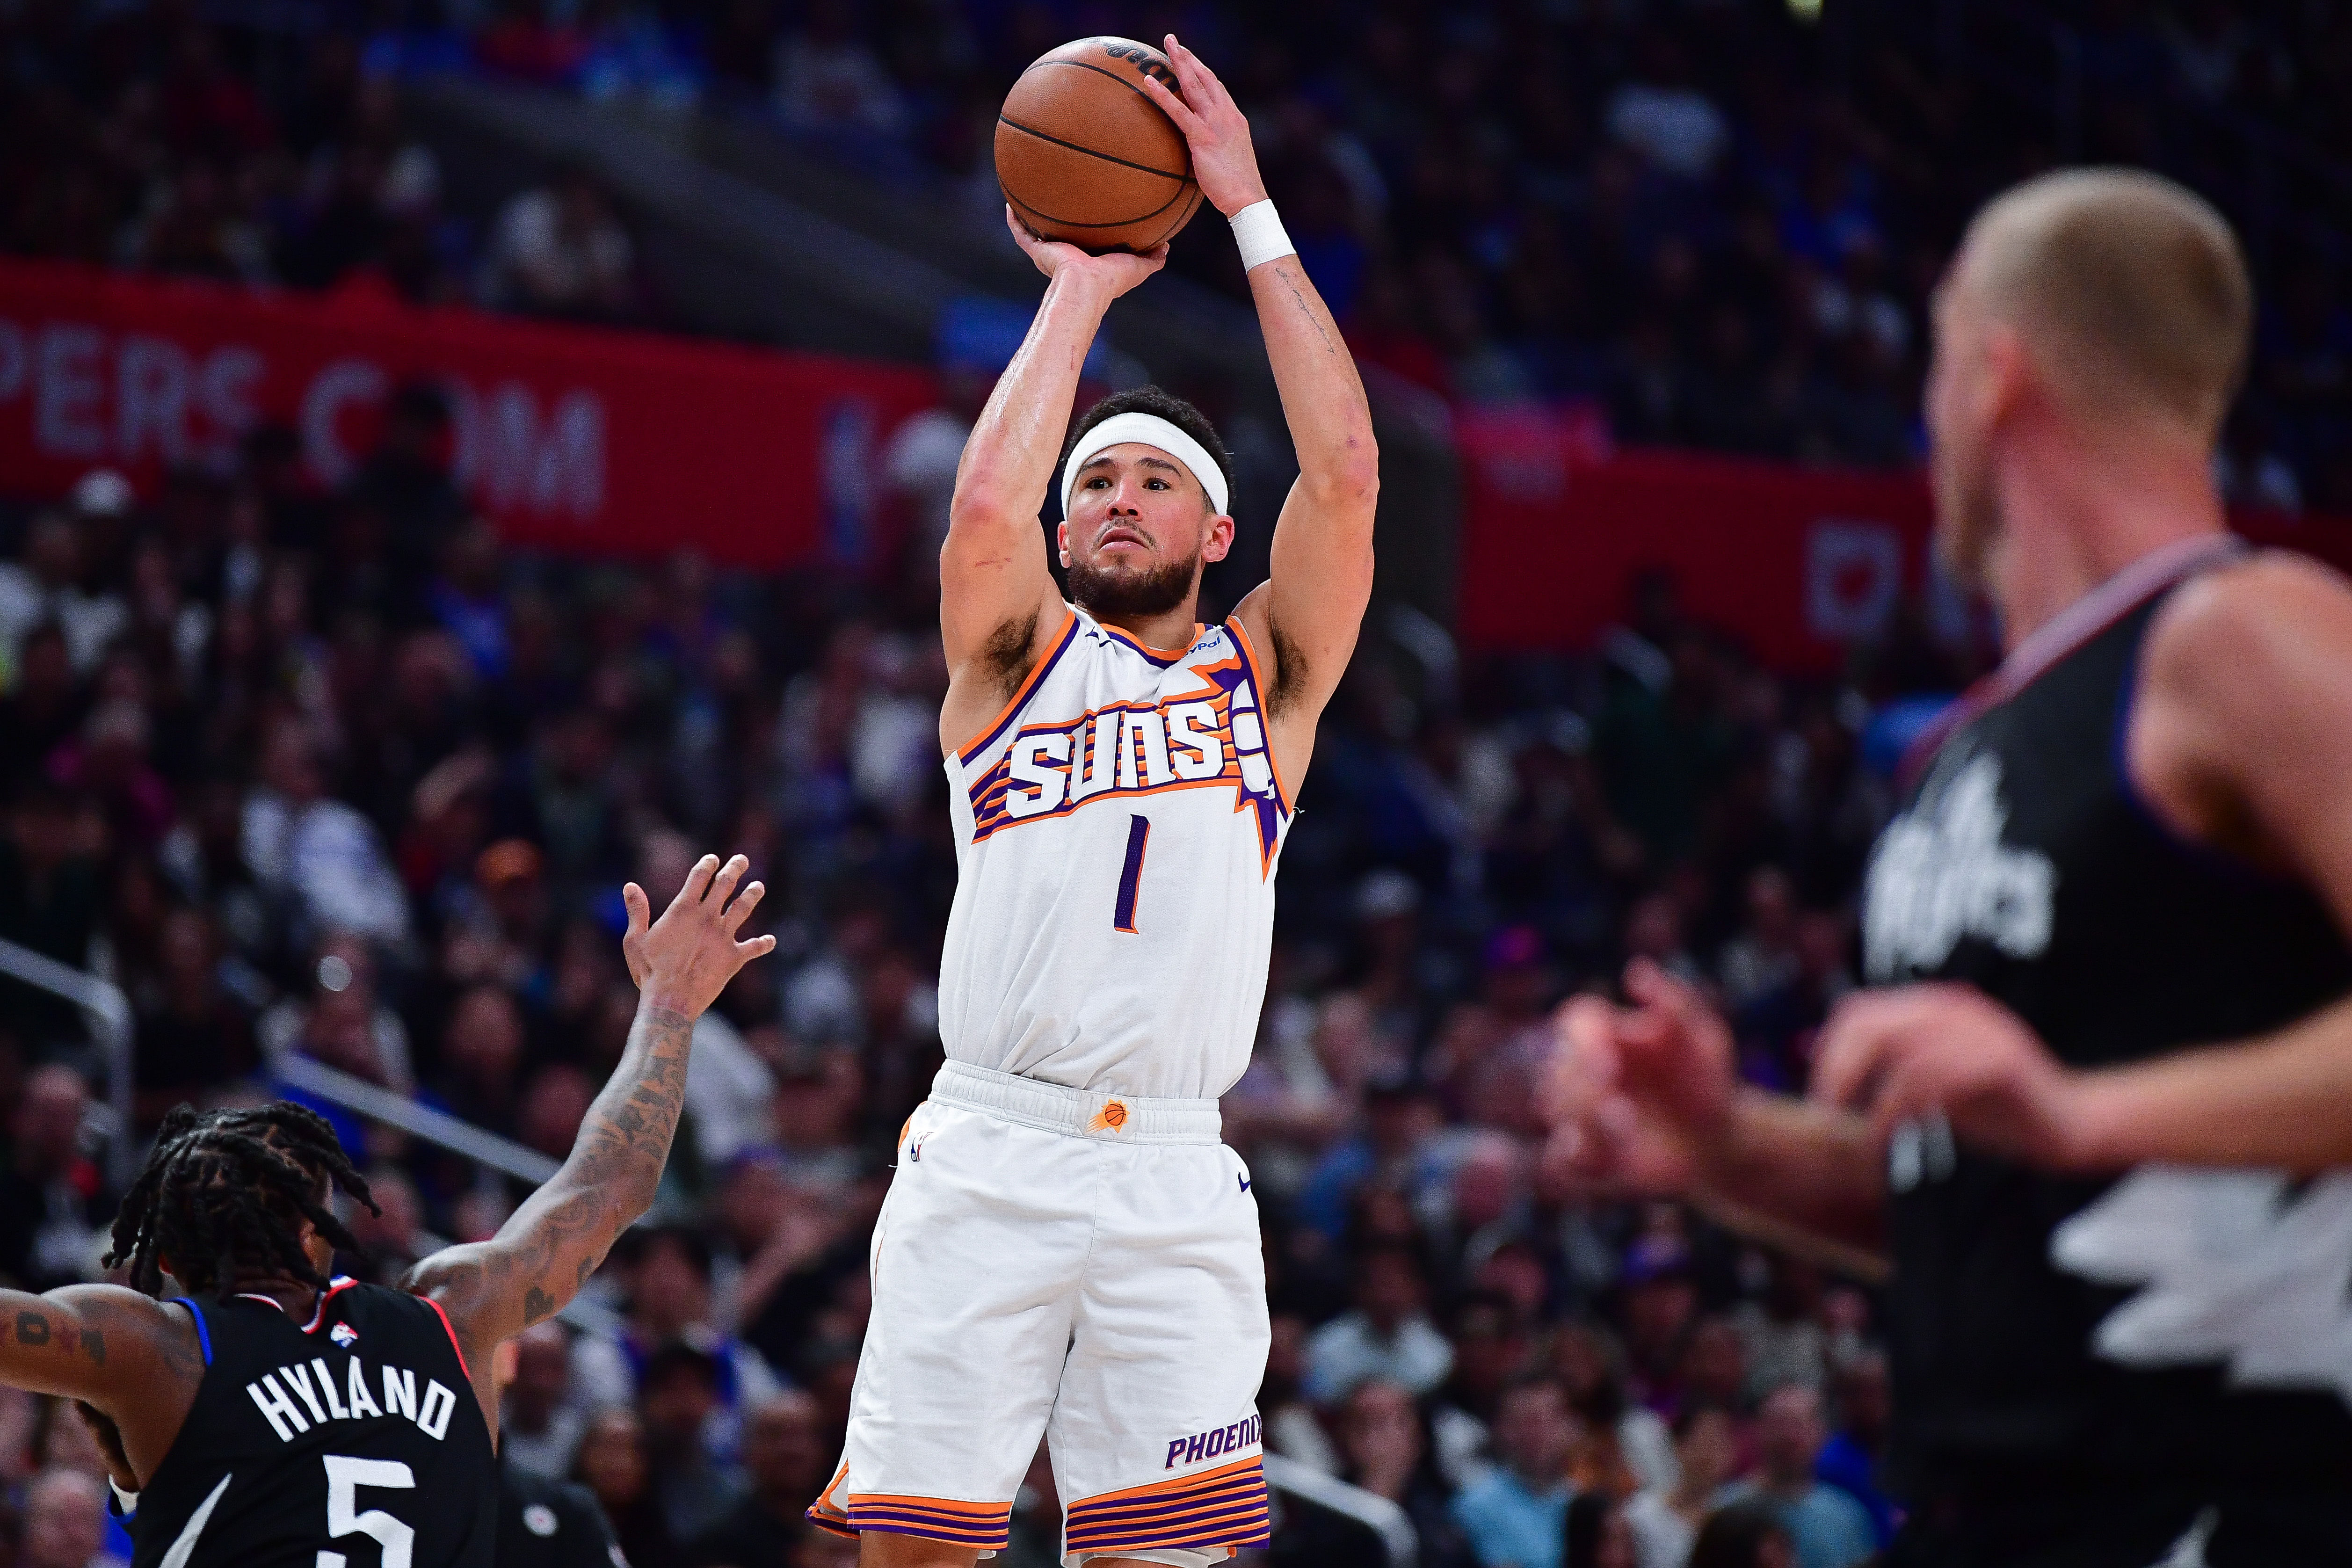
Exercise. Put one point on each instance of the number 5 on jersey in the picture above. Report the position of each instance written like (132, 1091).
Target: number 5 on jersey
(345, 1475)
(1130, 876)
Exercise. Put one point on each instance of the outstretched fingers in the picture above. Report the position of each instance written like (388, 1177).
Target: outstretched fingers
(698, 881)
(741, 909)
(641, 914)
(722, 885)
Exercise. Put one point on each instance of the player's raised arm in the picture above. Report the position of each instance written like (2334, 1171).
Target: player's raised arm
(493, 1289)
(997, 597)
(1305, 617)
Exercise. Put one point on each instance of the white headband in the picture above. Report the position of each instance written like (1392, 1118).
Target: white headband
(1152, 431)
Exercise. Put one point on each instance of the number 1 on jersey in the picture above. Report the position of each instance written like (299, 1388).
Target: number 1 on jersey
(1130, 876)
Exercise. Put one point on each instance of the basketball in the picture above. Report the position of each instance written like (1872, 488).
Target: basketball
(1085, 156)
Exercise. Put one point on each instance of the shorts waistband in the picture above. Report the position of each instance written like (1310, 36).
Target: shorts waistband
(1078, 1112)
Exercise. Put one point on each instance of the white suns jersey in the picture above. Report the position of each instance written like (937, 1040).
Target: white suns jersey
(1117, 830)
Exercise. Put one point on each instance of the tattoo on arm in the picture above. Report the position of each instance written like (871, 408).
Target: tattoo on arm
(1282, 270)
(563, 1232)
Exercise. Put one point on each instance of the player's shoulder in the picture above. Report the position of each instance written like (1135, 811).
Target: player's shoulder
(2252, 622)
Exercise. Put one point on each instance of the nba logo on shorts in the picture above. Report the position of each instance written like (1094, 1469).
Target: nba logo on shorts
(1109, 1118)
(344, 1334)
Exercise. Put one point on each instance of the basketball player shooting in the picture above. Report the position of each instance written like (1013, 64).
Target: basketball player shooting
(2097, 1112)
(267, 1416)
(1068, 1249)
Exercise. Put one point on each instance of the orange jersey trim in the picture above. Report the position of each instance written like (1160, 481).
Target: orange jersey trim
(1028, 686)
(1166, 655)
(1192, 1482)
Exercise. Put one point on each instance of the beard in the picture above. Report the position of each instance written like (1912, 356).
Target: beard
(1145, 591)
(1968, 524)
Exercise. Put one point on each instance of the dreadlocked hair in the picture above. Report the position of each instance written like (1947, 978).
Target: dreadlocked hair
(224, 1193)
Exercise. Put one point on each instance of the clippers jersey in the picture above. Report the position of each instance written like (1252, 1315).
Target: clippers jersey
(1117, 831)
(2171, 1327)
(354, 1442)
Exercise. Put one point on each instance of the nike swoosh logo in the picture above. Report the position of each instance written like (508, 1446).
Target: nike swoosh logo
(186, 1546)
(1243, 1181)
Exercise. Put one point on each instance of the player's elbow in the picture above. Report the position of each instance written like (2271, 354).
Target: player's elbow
(1349, 476)
(1351, 486)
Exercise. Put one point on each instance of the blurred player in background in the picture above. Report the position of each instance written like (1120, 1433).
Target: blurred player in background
(2097, 1116)
(1068, 1248)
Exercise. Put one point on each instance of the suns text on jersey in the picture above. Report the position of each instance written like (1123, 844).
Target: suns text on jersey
(1212, 736)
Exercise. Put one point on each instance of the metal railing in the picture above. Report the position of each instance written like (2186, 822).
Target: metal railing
(1371, 1509)
(108, 1012)
(398, 1110)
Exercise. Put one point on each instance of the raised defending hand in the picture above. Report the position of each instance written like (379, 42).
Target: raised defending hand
(1119, 270)
(1223, 161)
(684, 960)
(1639, 1096)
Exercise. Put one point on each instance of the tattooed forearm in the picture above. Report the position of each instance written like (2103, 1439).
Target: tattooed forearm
(542, 1255)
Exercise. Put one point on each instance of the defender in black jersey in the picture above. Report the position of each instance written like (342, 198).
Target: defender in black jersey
(2097, 1111)
(256, 1413)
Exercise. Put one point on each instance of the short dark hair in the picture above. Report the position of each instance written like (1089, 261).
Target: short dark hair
(1160, 401)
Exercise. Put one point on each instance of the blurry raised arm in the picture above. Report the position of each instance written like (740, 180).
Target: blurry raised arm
(1305, 617)
(493, 1289)
(999, 606)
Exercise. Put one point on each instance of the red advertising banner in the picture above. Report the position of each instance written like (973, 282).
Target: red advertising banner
(1798, 561)
(569, 438)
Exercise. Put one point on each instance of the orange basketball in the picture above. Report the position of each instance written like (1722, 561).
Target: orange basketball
(1084, 157)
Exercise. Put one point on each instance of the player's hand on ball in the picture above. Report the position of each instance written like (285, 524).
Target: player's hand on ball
(685, 959)
(1121, 269)
(1223, 161)
(1639, 1096)
(1898, 1055)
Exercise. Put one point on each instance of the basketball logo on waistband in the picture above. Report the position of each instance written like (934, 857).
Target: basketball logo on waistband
(1109, 1118)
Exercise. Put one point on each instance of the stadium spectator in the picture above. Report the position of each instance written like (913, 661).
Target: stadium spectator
(679, 1399)
(65, 1521)
(613, 1463)
(1385, 1445)
(560, 250)
(1388, 1336)
(1666, 1519)
(1854, 1457)
(1825, 1525)
(1519, 1512)
(1596, 1534)
(49, 1190)
(785, 1458)
(538, 1430)
(1744, 1535)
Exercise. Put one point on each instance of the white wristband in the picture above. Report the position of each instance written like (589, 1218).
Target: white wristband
(1257, 229)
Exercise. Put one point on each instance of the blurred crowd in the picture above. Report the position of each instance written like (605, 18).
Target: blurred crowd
(337, 776)
(149, 137)
(334, 778)
(1714, 221)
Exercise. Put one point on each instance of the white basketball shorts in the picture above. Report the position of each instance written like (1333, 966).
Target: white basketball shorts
(1072, 1264)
